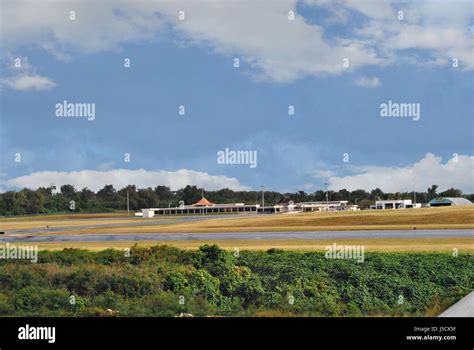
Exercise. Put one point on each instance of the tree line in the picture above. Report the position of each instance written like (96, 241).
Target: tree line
(47, 200)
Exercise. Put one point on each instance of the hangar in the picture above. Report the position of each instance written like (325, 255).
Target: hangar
(448, 201)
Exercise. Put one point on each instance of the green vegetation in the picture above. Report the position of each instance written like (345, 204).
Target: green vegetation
(48, 200)
(150, 282)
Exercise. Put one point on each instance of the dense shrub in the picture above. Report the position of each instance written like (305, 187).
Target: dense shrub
(164, 281)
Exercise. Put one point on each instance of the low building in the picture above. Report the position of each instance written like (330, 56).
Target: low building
(395, 204)
(449, 201)
(204, 206)
(326, 206)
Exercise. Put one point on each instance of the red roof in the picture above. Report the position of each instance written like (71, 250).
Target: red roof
(203, 202)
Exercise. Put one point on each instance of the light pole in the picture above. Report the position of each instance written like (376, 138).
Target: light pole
(128, 204)
(263, 199)
(327, 199)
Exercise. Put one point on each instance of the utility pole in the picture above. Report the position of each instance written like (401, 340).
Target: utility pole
(327, 197)
(263, 199)
(128, 204)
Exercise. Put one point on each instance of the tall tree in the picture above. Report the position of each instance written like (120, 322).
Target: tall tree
(68, 191)
(376, 194)
(107, 193)
(451, 192)
(189, 194)
(432, 192)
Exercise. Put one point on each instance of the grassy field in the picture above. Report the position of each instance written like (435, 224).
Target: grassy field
(460, 217)
(432, 218)
(463, 245)
(429, 218)
(115, 214)
(44, 224)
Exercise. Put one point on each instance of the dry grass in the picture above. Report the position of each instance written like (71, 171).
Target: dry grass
(114, 214)
(429, 218)
(52, 222)
(457, 216)
(464, 245)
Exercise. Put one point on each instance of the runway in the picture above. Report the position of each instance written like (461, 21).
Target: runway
(241, 236)
(138, 222)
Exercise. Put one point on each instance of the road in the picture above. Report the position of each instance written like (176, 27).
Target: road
(240, 236)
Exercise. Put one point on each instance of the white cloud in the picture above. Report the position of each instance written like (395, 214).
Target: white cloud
(368, 82)
(416, 177)
(26, 82)
(9, 61)
(322, 174)
(95, 180)
(97, 26)
(281, 49)
(442, 31)
(22, 75)
(257, 32)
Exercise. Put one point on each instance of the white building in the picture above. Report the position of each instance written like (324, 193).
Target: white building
(449, 201)
(395, 204)
(327, 206)
(203, 206)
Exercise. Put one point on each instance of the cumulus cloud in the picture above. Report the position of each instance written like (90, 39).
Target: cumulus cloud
(368, 82)
(26, 82)
(98, 26)
(282, 49)
(259, 33)
(457, 173)
(441, 31)
(95, 180)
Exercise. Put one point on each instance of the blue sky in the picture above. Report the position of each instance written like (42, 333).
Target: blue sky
(337, 109)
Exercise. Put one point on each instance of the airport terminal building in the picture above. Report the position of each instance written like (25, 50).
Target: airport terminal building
(204, 206)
